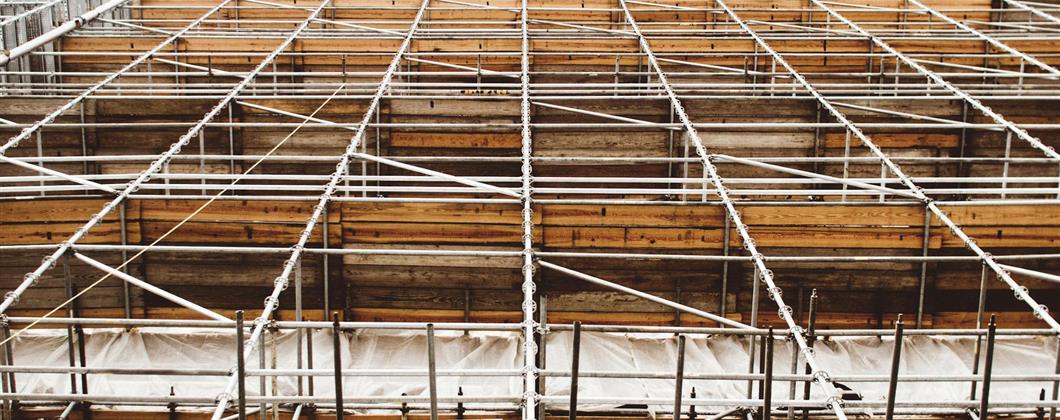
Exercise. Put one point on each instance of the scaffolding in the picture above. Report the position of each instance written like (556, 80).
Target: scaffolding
(875, 73)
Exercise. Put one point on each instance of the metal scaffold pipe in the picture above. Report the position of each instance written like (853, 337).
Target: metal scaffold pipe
(58, 32)
(448, 136)
(341, 169)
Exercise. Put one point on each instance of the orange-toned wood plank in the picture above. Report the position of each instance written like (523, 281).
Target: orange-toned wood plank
(295, 212)
(64, 210)
(53, 233)
(692, 215)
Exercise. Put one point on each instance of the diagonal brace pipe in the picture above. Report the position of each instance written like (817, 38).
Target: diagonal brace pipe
(647, 296)
(834, 397)
(151, 288)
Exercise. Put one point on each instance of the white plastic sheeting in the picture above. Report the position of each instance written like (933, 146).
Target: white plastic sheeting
(373, 349)
(921, 355)
(210, 349)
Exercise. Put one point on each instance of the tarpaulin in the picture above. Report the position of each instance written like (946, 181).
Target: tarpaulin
(643, 352)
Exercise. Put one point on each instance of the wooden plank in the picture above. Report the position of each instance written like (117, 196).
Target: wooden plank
(692, 215)
(838, 279)
(232, 270)
(687, 238)
(455, 107)
(297, 212)
(1006, 237)
(794, 237)
(896, 140)
(431, 298)
(1004, 226)
(841, 237)
(675, 44)
(15, 264)
(627, 143)
(1024, 319)
(431, 233)
(64, 210)
(644, 280)
(833, 215)
(53, 233)
(421, 276)
(456, 140)
(510, 299)
(47, 298)
(795, 215)
(434, 260)
(338, 107)
(616, 302)
(274, 234)
(969, 280)
(11, 107)
(432, 213)
(563, 317)
(1005, 215)
(584, 237)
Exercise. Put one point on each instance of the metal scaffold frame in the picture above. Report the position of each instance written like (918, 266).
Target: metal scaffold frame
(655, 78)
